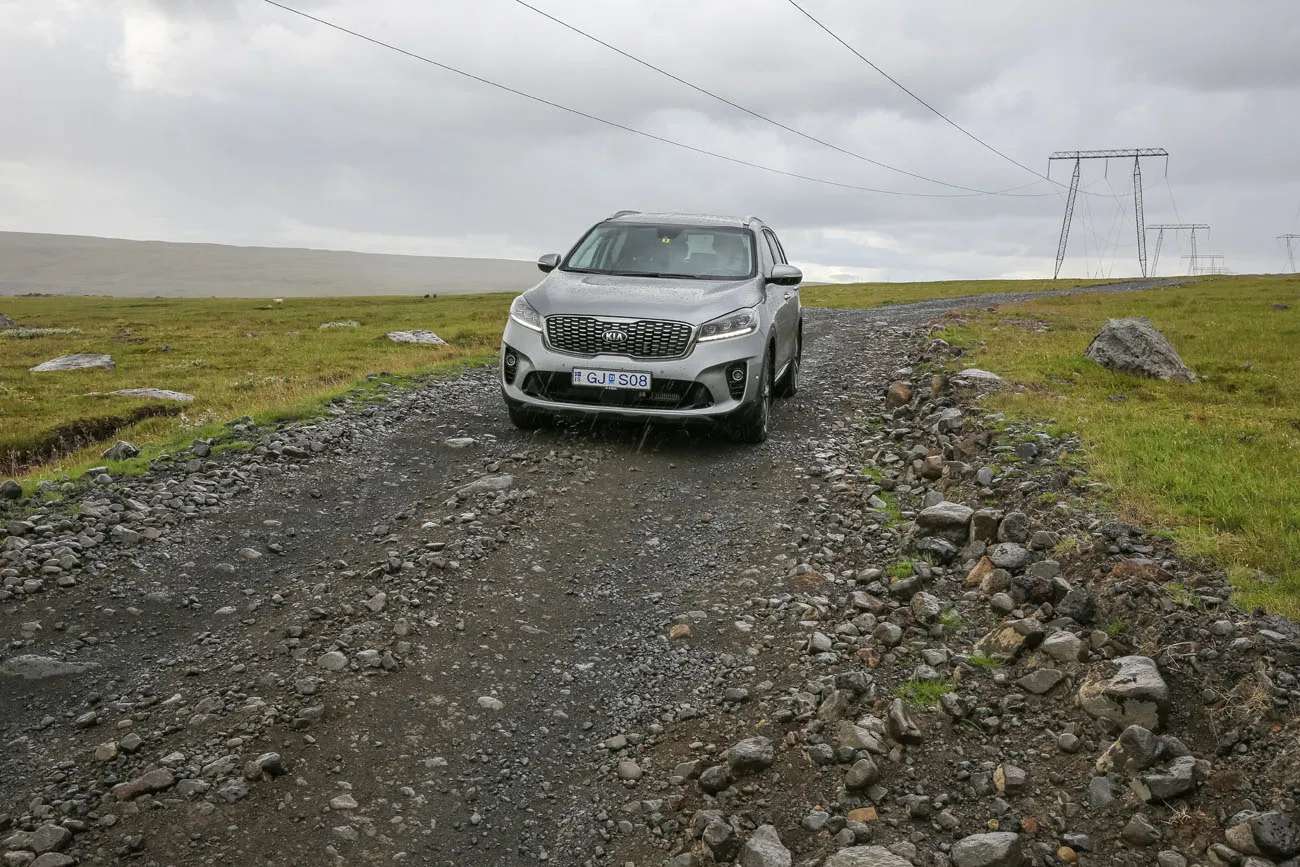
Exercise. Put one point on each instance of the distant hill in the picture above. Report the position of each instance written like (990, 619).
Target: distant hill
(75, 264)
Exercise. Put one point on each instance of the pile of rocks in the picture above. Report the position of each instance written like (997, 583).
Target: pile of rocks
(966, 663)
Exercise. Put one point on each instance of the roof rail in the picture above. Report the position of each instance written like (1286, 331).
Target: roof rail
(751, 219)
(623, 213)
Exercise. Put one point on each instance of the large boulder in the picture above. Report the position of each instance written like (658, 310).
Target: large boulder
(417, 336)
(1133, 345)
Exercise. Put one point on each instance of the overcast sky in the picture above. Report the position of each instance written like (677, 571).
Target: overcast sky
(233, 121)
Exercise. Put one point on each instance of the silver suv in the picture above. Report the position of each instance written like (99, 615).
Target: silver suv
(658, 316)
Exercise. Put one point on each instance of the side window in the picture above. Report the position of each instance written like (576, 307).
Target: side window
(778, 255)
(765, 258)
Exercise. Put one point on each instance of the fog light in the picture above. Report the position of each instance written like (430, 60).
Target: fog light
(511, 360)
(736, 374)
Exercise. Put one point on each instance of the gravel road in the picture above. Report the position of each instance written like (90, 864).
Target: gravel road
(411, 634)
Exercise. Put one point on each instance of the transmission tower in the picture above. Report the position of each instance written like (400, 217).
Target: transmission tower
(1135, 154)
(1201, 264)
(1160, 228)
(1290, 238)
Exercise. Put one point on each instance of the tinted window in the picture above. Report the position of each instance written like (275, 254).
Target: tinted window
(641, 249)
(778, 252)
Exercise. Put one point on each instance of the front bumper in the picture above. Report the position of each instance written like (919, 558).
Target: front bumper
(542, 379)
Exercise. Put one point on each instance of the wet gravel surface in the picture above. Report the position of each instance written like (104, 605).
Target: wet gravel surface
(411, 634)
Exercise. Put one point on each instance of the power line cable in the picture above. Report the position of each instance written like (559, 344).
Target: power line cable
(812, 138)
(970, 135)
(610, 123)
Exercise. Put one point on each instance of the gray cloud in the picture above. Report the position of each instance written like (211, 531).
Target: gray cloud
(236, 122)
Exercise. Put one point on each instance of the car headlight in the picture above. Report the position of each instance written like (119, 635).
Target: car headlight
(735, 324)
(523, 313)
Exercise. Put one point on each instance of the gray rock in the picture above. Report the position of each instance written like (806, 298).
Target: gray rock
(1275, 834)
(722, 840)
(888, 634)
(32, 667)
(76, 361)
(417, 336)
(10, 490)
(629, 770)
(49, 838)
(1040, 682)
(1078, 605)
(5, 321)
(715, 779)
(973, 375)
(1014, 527)
(926, 607)
(146, 394)
(996, 849)
(489, 484)
(334, 660)
(1063, 647)
(1169, 783)
(54, 859)
(764, 849)
(1100, 793)
(1010, 555)
(1133, 345)
(900, 724)
(866, 856)
(750, 756)
(863, 773)
(1139, 831)
(1170, 858)
(120, 451)
(1134, 695)
(1135, 750)
(949, 521)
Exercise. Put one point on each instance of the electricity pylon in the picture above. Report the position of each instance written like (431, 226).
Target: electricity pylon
(1290, 237)
(1160, 228)
(1136, 154)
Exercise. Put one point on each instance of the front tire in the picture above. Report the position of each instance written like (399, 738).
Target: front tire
(754, 421)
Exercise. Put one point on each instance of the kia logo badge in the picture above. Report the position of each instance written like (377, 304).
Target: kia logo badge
(615, 336)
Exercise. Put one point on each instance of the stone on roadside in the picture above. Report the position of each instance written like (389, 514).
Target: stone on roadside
(30, 666)
(946, 520)
(764, 848)
(156, 780)
(1135, 695)
(489, 484)
(899, 393)
(10, 490)
(866, 856)
(1139, 831)
(750, 756)
(995, 849)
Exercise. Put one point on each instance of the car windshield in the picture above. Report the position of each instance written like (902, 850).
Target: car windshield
(647, 250)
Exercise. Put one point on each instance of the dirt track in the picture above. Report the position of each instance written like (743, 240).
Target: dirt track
(490, 643)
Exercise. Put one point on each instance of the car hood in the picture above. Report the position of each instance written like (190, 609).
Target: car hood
(694, 301)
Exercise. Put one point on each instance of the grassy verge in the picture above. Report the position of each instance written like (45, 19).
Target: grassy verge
(877, 294)
(1215, 461)
(237, 357)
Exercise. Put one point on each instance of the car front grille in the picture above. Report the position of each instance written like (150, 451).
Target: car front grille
(645, 338)
(664, 393)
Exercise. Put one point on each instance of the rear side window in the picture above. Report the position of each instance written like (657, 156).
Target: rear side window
(778, 254)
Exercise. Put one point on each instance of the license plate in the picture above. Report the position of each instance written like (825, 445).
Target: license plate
(611, 379)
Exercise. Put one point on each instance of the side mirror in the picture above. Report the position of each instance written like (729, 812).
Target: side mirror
(549, 262)
(786, 275)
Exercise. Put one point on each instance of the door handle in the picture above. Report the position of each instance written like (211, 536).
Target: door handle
(788, 296)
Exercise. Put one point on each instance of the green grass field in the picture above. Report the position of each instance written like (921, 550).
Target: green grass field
(876, 294)
(254, 357)
(1216, 461)
(236, 356)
